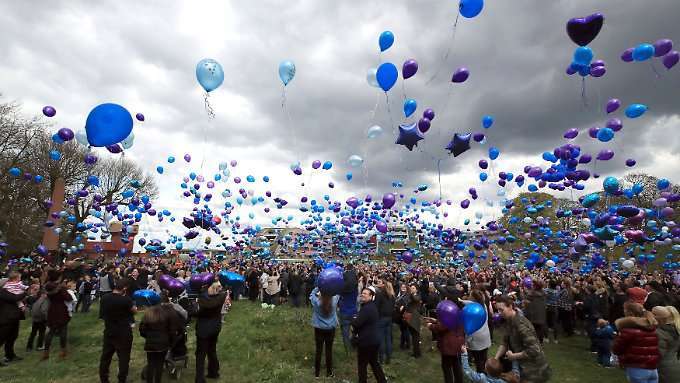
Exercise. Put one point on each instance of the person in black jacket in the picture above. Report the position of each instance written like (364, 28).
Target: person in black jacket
(208, 327)
(10, 316)
(295, 288)
(156, 328)
(366, 326)
(656, 296)
(117, 311)
(385, 301)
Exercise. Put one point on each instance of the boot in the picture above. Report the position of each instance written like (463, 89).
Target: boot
(45, 355)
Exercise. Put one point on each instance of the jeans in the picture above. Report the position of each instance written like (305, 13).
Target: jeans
(604, 358)
(206, 347)
(405, 336)
(323, 338)
(119, 343)
(479, 358)
(641, 375)
(369, 355)
(385, 331)
(345, 323)
(295, 300)
(38, 328)
(154, 366)
(452, 368)
(415, 341)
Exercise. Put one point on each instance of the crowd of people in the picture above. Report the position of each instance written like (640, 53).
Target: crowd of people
(631, 319)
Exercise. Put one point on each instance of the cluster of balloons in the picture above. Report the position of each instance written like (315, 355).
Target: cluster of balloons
(582, 31)
(662, 49)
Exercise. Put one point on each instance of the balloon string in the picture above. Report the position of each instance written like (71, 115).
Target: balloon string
(583, 92)
(208, 107)
(448, 51)
(290, 120)
(651, 63)
(439, 177)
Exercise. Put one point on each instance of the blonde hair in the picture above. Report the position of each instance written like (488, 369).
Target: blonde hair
(675, 315)
(389, 290)
(214, 289)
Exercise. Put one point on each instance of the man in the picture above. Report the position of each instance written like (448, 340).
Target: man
(295, 288)
(105, 285)
(521, 344)
(656, 295)
(118, 314)
(348, 304)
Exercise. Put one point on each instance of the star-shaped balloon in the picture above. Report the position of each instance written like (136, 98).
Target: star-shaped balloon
(409, 135)
(459, 144)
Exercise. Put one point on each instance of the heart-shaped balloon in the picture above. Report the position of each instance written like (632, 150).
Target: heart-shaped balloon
(583, 30)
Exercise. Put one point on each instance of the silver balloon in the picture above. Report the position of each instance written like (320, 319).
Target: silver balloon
(371, 77)
(375, 131)
(355, 161)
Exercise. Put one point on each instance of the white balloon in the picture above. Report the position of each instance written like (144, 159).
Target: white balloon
(550, 263)
(372, 77)
(355, 161)
(81, 137)
(223, 165)
(586, 221)
(128, 141)
(375, 131)
(628, 264)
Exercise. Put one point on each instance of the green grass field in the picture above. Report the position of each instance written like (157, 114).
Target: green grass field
(275, 345)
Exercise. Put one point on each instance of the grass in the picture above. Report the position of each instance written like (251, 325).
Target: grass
(275, 345)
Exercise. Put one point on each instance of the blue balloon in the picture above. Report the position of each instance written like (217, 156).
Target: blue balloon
(549, 156)
(487, 121)
(583, 55)
(605, 134)
(57, 140)
(327, 165)
(159, 169)
(387, 76)
(348, 176)
(635, 110)
(108, 124)
(533, 188)
(385, 40)
(494, 152)
(171, 159)
(93, 180)
(286, 71)
(643, 52)
(209, 74)
(610, 185)
(470, 8)
(483, 176)
(473, 317)
(55, 155)
(146, 298)
(410, 106)
(663, 184)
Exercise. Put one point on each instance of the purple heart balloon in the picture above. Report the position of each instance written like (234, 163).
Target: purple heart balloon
(613, 105)
(627, 55)
(583, 30)
(663, 46)
(409, 68)
(460, 75)
(670, 59)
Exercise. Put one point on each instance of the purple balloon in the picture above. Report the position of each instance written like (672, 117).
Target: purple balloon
(663, 46)
(598, 71)
(353, 202)
(627, 55)
(613, 105)
(571, 133)
(409, 68)
(483, 164)
(389, 199)
(465, 203)
(381, 227)
(316, 164)
(187, 157)
(424, 124)
(331, 281)
(478, 137)
(65, 134)
(614, 124)
(605, 155)
(583, 30)
(592, 132)
(670, 59)
(630, 162)
(140, 117)
(115, 148)
(597, 63)
(407, 257)
(429, 114)
(585, 158)
(448, 314)
(49, 111)
(570, 70)
(460, 75)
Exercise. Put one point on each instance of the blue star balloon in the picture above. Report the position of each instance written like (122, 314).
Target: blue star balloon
(409, 135)
(460, 143)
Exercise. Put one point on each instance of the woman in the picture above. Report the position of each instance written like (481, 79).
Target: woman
(669, 343)
(366, 326)
(156, 329)
(637, 344)
(385, 302)
(208, 327)
(552, 310)
(536, 308)
(400, 305)
(450, 343)
(412, 318)
(324, 321)
(566, 304)
(478, 342)
(57, 317)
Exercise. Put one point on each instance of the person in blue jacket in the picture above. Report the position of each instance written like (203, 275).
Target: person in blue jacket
(324, 321)
(602, 338)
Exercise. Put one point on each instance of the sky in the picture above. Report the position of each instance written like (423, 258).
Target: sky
(74, 55)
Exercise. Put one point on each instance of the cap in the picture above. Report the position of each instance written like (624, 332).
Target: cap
(637, 295)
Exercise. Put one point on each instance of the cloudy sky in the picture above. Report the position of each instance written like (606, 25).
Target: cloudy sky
(76, 54)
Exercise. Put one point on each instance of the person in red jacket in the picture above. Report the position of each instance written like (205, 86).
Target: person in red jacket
(450, 344)
(637, 345)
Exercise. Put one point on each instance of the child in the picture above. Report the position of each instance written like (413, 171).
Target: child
(602, 338)
(14, 286)
(71, 305)
(226, 306)
(493, 371)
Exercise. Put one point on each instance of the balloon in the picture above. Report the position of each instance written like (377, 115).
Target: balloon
(128, 141)
(470, 8)
(494, 153)
(630, 162)
(108, 124)
(388, 200)
(230, 278)
(197, 281)
(613, 105)
(139, 117)
(49, 111)
(355, 161)
(331, 281)
(409, 68)
(327, 165)
(429, 114)
(671, 59)
(410, 106)
(424, 124)
(663, 46)
(374, 131)
(286, 72)
(209, 74)
(465, 203)
(571, 133)
(627, 55)
(583, 30)
(381, 227)
(583, 55)
(614, 124)
(448, 314)
(187, 157)
(483, 164)
(598, 71)
(409, 135)
(55, 155)
(15, 172)
(65, 134)
(81, 137)
(460, 75)
(146, 298)
(473, 317)
(407, 257)
(459, 144)
(487, 121)
(159, 169)
(371, 78)
(610, 185)
(115, 148)
(605, 134)
(605, 155)
(635, 110)
(385, 40)
(643, 52)
(387, 76)
(348, 176)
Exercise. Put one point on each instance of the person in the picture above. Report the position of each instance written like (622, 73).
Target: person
(565, 303)
(295, 288)
(450, 343)
(493, 371)
(117, 311)
(10, 317)
(106, 284)
(273, 288)
(324, 321)
(413, 318)
(208, 327)
(348, 304)
(385, 303)
(668, 333)
(655, 295)
(601, 339)
(85, 294)
(157, 330)
(521, 344)
(400, 303)
(478, 342)
(366, 326)
(552, 310)
(536, 308)
(636, 345)
(38, 322)
(253, 284)
(57, 317)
